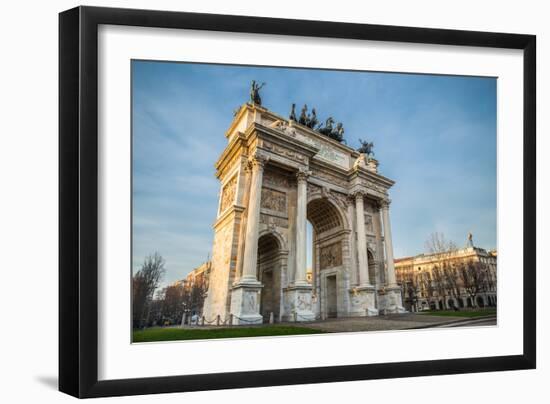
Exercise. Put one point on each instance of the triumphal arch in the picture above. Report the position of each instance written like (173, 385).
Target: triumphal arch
(276, 175)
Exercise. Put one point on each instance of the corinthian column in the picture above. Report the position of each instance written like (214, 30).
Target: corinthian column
(250, 258)
(301, 226)
(361, 241)
(385, 207)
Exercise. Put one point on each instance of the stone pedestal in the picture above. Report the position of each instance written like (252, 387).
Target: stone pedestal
(299, 303)
(363, 301)
(245, 303)
(389, 302)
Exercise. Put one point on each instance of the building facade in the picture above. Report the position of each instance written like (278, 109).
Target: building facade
(457, 279)
(275, 175)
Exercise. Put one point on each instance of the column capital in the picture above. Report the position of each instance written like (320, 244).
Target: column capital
(302, 174)
(385, 203)
(359, 194)
(258, 161)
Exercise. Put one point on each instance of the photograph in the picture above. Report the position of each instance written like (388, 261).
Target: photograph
(275, 201)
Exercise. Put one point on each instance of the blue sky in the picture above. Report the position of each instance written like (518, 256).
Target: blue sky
(434, 135)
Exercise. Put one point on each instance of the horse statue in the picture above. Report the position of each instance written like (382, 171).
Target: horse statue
(312, 120)
(303, 116)
(366, 148)
(338, 133)
(292, 115)
(327, 129)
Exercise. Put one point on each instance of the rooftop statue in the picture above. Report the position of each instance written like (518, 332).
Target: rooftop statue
(327, 129)
(338, 133)
(366, 148)
(255, 93)
(312, 120)
(292, 115)
(470, 242)
(303, 115)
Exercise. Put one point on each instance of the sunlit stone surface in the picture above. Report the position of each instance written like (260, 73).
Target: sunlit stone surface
(275, 175)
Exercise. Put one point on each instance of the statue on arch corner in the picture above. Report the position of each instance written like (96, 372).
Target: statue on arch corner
(255, 93)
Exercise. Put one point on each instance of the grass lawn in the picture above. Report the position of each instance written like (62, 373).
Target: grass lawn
(461, 313)
(180, 334)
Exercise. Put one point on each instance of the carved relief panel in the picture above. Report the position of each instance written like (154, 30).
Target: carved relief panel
(331, 255)
(276, 179)
(228, 194)
(273, 200)
(274, 221)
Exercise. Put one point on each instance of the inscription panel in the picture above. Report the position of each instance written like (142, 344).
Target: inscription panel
(331, 255)
(326, 151)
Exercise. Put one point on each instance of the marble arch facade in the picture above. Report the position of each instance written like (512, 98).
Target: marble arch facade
(276, 175)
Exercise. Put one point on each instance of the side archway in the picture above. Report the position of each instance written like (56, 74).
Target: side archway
(270, 267)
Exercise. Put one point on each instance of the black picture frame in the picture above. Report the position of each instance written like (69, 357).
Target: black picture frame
(78, 201)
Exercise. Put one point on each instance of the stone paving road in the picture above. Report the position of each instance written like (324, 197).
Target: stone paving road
(395, 322)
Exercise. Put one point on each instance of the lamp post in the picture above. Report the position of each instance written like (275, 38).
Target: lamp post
(184, 315)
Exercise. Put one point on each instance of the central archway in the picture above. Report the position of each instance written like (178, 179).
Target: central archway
(327, 256)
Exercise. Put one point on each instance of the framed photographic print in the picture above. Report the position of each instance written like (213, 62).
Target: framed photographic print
(251, 201)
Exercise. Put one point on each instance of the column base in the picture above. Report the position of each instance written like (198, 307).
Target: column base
(298, 303)
(389, 301)
(363, 301)
(245, 306)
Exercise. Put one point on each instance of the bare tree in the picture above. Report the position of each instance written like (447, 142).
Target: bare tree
(172, 308)
(144, 284)
(438, 244)
(445, 277)
(194, 295)
(409, 286)
(474, 277)
(440, 283)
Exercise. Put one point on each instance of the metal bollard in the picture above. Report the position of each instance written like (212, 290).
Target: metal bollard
(202, 320)
(231, 319)
(271, 318)
(218, 319)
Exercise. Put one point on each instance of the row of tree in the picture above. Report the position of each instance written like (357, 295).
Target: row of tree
(448, 281)
(152, 305)
(448, 278)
